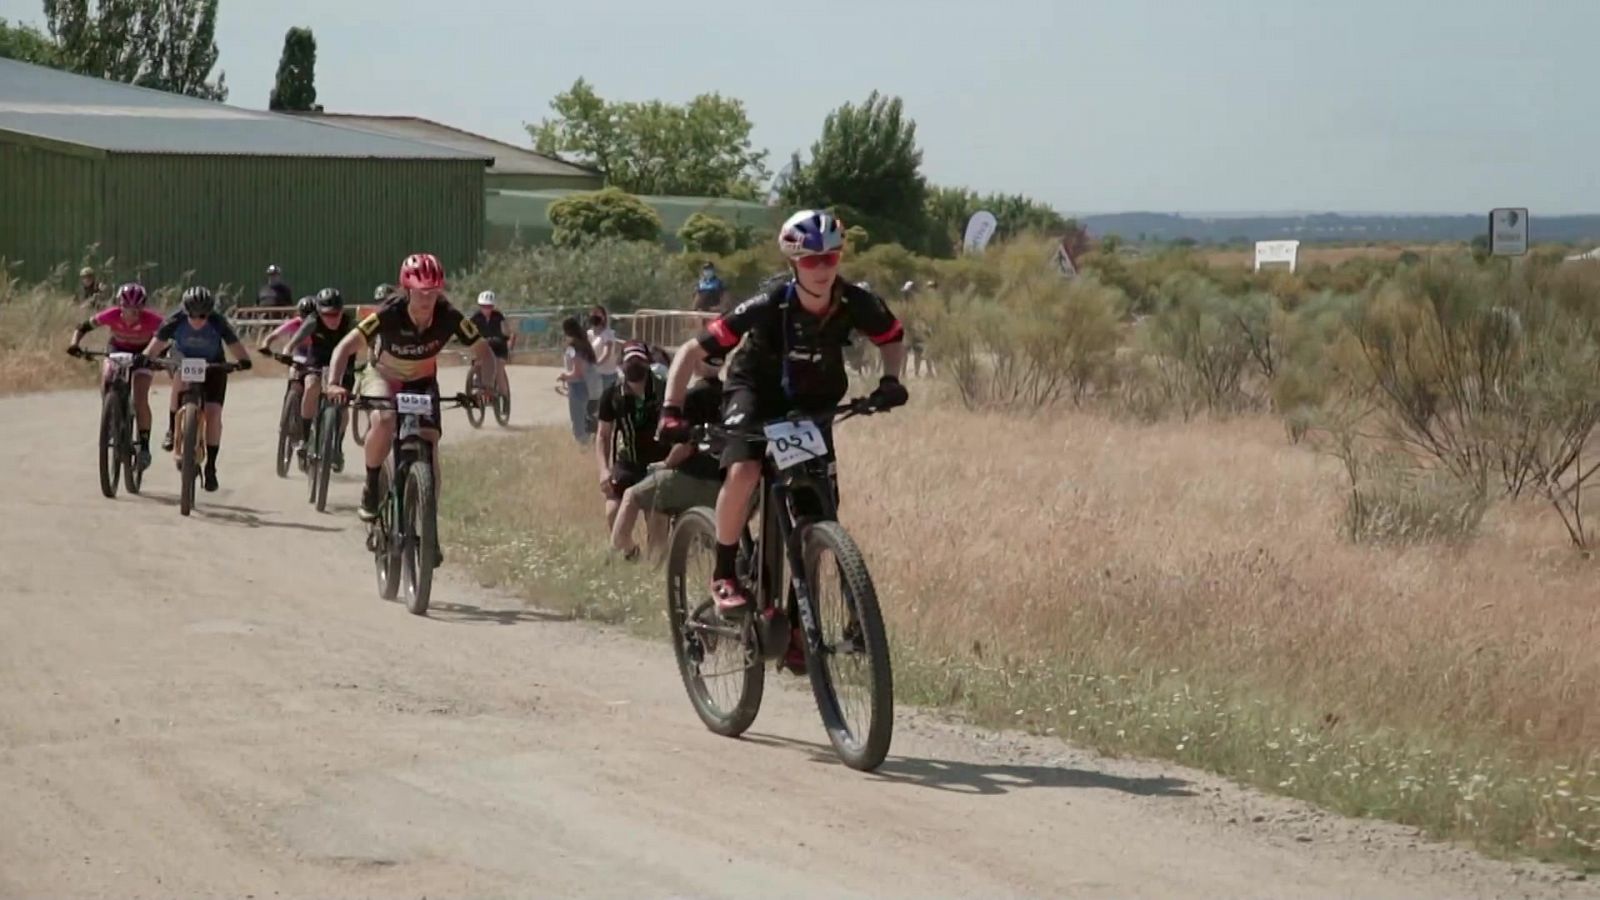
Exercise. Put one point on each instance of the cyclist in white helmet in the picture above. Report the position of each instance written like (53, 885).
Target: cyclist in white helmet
(492, 325)
(792, 360)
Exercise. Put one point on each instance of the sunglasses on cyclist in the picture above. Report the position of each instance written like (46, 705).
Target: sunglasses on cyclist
(819, 260)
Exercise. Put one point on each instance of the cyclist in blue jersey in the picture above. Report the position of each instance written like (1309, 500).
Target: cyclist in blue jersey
(197, 331)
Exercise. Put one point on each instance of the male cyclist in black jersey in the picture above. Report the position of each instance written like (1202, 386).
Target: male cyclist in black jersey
(791, 360)
(410, 328)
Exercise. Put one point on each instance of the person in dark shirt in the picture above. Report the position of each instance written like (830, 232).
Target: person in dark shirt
(275, 292)
(197, 331)
(625, 442)
(491, 324)
(90, 290)
(690, 476)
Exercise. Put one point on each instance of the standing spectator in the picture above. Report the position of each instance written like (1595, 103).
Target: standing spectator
(275, 292)
(626, 442)
(708, 292)
(607, 352)
(90, 289)
(690, 476)
(578, 375)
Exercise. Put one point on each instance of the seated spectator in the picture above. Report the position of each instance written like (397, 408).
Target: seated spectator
(626, 442)
(690, 476)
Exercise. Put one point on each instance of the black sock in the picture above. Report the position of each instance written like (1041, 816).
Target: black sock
(727, 562)
(144, 439)
(211, 456)
(305, 426)
(172, 422)
(373, 473)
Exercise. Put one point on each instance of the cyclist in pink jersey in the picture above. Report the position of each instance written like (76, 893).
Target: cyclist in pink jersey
(306, 308)
(132, 325)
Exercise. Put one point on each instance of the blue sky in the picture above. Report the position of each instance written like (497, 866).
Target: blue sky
(1207, 105)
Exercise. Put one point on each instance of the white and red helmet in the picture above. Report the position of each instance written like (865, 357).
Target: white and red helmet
(421, 271)
(809, 233)
(132, 296)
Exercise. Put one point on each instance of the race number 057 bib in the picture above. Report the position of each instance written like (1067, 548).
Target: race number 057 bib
(789, 443)
(192, 370)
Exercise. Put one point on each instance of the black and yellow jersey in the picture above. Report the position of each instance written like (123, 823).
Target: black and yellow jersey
(406, 353)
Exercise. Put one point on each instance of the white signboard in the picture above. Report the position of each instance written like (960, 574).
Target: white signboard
(1277, 252)
(980, 228)
(1063, 261)
(1508, 231)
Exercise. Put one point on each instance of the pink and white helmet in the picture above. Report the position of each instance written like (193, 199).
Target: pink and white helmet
(810, 232)
(131, 296)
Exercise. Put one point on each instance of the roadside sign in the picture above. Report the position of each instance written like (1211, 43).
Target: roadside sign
(1508, 231)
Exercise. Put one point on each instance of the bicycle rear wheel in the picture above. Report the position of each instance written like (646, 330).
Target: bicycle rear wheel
(851, 676)
(418, 549)
(110, 443)
(383, 537)
(721, 669)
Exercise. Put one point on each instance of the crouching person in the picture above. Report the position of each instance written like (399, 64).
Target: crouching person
(690, 476)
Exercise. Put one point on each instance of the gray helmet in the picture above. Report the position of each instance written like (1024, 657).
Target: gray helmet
(198, 301)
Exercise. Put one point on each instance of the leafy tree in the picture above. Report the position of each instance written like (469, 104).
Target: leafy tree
(169, 45)
(297, 73)
(25, 43)
(867, 168)
(699, 149)
(608, 213)
(705, 233)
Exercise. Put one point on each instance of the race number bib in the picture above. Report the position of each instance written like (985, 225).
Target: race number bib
(414, 404)
(192, 370)
(120, 360)
(789, 443)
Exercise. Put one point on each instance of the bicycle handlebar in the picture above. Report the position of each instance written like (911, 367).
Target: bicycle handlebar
(387, 403)
(860, 406)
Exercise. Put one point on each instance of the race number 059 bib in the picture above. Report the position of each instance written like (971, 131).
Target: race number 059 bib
(414, 404)
(192, 370)
(789, 443)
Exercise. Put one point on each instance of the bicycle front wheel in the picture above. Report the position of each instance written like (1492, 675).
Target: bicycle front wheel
(330, 437)
(286, 422)
(189, 468)
(421, 542)
(474, 411)
(110, 444)
(850, 674)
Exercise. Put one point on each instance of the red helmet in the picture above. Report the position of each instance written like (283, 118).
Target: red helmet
(131, 296)
(421, 271)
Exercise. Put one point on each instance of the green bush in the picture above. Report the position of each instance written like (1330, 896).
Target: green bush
(621, 275)
(608, 213)
(704, 233)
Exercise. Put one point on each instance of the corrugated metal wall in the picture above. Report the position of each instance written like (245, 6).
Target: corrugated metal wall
(340, 222)
(49, 208)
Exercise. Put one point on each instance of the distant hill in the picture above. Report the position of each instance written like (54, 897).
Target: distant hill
(1330, 227)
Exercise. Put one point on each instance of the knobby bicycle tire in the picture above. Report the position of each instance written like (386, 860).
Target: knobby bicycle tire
(684, 595)
(110, 443)
(422, 535)
(864, 751)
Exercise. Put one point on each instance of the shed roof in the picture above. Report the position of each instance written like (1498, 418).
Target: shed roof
(509, 159)
(121, 118)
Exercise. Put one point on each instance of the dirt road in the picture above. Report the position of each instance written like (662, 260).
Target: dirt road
(221, 706)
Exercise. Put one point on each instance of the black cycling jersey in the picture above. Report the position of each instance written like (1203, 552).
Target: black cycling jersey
(492, 326)
(322, 339)
(406, 353)
(791, 356)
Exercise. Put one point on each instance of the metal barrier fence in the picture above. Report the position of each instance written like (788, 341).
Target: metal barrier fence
(537, 329)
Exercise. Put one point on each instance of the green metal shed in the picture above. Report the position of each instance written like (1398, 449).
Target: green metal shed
(175, 185)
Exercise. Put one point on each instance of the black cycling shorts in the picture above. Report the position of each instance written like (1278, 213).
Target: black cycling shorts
(745, 408)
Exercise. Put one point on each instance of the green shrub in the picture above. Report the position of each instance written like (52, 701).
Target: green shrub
(704, 233)
(621, 275)
(608, 213)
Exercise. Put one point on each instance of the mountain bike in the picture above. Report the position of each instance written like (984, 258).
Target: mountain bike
(500, 400)
(827, 589)
(119, 453)
(190, 445)
(320, 454)
(289, 436)
(404, 538)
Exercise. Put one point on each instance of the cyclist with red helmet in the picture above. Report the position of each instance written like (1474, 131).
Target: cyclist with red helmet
(132, 325)
(409, 330)
(792, 359)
